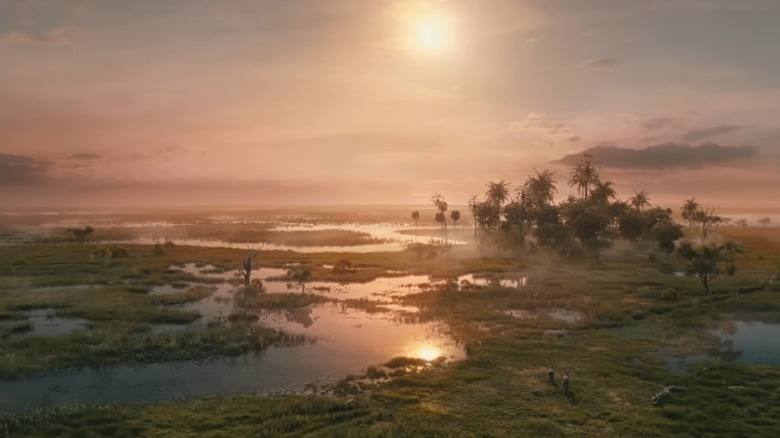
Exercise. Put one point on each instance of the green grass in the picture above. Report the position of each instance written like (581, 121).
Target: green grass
(500, 389)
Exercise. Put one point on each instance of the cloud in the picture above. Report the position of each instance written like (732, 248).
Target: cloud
(663, 156)
(701, 134)
(18, 169)
(85, 156)
(656, 123)
(540, 123)
(601, 63)
(58, 36)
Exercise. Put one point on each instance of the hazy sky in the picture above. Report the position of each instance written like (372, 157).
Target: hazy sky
(355, 101)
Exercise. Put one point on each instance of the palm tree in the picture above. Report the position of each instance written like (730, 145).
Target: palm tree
(639, 200)
(441, 205)
(689, 209)
(585, 175)
(496, 194)
(455, 216)
(539, 189)
(473, 208)
(603, 192)
(415, 217)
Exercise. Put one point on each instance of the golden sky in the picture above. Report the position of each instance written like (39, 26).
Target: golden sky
(373, 101)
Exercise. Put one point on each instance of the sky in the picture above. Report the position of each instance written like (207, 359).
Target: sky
(261, 102)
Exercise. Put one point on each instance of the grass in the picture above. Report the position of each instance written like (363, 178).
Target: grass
(500, 389)
(120, 343)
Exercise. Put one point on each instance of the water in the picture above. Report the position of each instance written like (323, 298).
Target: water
(752, 342)
(387, 236)
(214, 243)
(45, 323)
(171, 289)
(383, 289)
(348, 341)
(739, 341)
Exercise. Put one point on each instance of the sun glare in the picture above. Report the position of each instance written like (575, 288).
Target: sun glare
(428, 353)
(432, 35)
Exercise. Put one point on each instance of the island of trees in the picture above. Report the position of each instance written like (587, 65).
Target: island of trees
(585, 225)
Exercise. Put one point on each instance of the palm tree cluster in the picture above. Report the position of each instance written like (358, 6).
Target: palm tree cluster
(593, 219)
(590, 221)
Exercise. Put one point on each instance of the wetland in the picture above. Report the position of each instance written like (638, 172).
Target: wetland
(405, 339)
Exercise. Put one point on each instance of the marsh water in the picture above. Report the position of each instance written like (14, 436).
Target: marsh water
(344, 341)
(375, 236)
(745, 342)
(347, 341)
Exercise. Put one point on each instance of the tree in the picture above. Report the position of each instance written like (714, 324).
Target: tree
(441, 205)
(665, 233)
(300, 275)
(707, 219)
(588, 224)
(455, 216)
(554, 236)
(710, 261)
(631, 225)
(688, 210)
(517, 218)
(585, 175)
(615, 211)
(640, 200)
(415, 217)
(342, 266)
(765, 221)
(496, 194)
(80, 235)
(473, 209)
(585, 221)
(538, 190)
(603, 192)
(246, 264)
(636, 225)
(487, 217)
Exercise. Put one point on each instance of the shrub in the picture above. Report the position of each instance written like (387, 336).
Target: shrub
(669, 294)
(118, 251)
(342, 266)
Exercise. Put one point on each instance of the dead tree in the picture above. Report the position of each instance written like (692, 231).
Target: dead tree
(707, 220)
(659, 398)
(246, 264)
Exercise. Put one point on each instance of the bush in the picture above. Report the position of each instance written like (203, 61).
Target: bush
(342, 266)
(403, 361)
(375, 372)
(118, 251)
(669, 294)
(110, 252)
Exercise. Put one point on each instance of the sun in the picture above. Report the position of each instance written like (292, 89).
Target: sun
(431, 35)
(428, 353)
